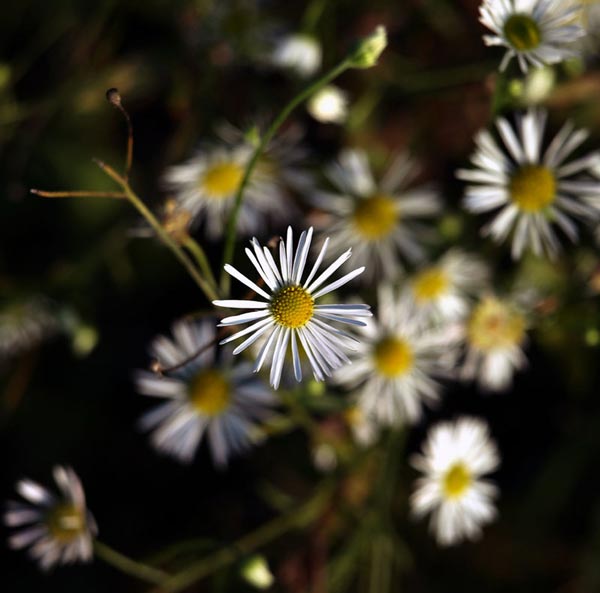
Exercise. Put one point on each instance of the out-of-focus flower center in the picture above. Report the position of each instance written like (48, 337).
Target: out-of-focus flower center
(522, 32)
(429, 284)
(532, 188)
(393, 357)
(375, 217)
(222, 180)
(65, 522)
(292, 307)
(494, 325)
(456, 480)
(210, 392)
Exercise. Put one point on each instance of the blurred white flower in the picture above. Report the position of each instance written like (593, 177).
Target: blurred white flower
(536, 32)
(329, 105)
(454, 458)
(222, 402)
(56, 529)
(380, 219)
(534, 190)
(298, 52)
(289, 311)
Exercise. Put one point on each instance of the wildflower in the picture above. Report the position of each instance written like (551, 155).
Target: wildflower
(378, 218)
(442, 290)
(56, 529)
(494, 337)
(207, 184)
(533, 190)
(536, 32)
(221, 402)
(289, 311)
(395, 363)
(298, 52)
(329, 105)
(454, 458)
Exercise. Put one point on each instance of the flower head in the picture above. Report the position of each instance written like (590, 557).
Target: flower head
(329, 105)
(56, 529)
(222, 402)
(536, 32)
(298, 52)
(533, 189)
(289, 312)
(380, 218)
(454, 458)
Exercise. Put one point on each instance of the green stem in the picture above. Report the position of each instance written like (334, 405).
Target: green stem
(169, 242)
(277, 122)
(200, 256)
(128, 566)
(299, 517)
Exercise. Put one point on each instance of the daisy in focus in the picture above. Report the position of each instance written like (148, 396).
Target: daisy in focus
(536, 32)
(221, 402)
(289, 312)
(298, 52)
(454, 458)
(206, 186)
(379, 218)
(495, 334)
(443, 291)
(533, 190)
(56, 529)
(394, 367)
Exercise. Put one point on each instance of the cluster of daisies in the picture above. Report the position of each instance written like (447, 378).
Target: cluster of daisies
(435, 319)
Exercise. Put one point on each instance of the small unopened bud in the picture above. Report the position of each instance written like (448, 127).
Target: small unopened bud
(113, 96)
(256, 572)
(367, 51)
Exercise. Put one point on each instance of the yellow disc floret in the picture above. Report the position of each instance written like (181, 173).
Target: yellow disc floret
(222, 180)
(65, 522)
(393, 357)
(292, 307)
(532, 188)
(429, 284)
(375, 217)
(210, 392)
(495, 325)
(522, 32)
(456, 480)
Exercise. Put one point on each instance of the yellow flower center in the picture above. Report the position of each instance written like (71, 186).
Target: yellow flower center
(65, 522)
(222, 180)
(532, 188)
(456, 480)
(210, 392)
(495, 325)
(429, 284)
(292, 307)
(522, 32)
(393, 357)
(375, 217)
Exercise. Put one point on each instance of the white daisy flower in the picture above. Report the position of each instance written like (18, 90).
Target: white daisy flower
(298, 52)
(533, 190)
(494, 336)
(56, 529)
(329, 105)
(289, 312)
(206, 186)
(536, 32)
(395, 363)
(443, 291)
(220, 402)
(454, 458)
(379, 218)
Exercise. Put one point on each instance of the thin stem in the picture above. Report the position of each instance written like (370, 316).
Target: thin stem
(133, 568)
(299, 517)
(177, 251)
(201, 259)
(77, 194)
(277, 122)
